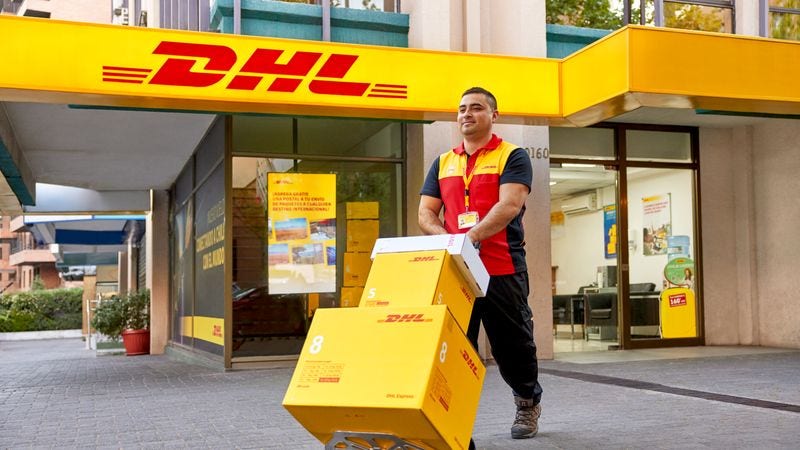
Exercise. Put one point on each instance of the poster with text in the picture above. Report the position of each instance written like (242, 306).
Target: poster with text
(610, 231)
(657, 223)
(301, 233)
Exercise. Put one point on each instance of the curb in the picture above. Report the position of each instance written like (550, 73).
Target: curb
(38, 335)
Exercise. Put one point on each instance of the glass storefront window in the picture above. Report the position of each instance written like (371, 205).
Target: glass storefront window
(595, 211)
(584, 244)
(661, 251)
(367, 138)
(593, 143)
(665, 146)
(261, 134)
(298, 245)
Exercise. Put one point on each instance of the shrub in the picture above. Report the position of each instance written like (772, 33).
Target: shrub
(129, 311)
(54, 309)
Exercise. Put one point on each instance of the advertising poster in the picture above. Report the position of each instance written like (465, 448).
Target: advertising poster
(301, 233)
(610, 231)
(680, 272)
(679, 247)
(657, 222)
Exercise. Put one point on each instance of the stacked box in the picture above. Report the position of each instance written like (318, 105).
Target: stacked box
(399, 364)
(457, 245)
(350, 296)
(356, 268)
(419, 279)
(408, 372)
(361, 210)
(362, 234)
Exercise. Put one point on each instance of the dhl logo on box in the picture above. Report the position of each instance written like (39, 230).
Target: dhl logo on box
(408, 372)
(418, 279)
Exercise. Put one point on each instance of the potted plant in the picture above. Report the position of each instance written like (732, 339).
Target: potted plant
(126, 316)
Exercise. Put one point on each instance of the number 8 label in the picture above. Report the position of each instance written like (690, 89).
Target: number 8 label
(316, 345)
(443, 352)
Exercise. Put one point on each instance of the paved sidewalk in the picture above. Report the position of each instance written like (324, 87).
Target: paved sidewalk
(56, 394)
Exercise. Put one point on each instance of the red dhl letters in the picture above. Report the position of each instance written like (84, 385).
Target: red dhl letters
(423, 259)
(218, 60)
(470, 363)
(392, 318)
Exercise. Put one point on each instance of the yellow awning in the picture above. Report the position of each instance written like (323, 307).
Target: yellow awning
(106, 65)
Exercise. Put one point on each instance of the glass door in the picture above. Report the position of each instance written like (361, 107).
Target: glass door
(583, 228)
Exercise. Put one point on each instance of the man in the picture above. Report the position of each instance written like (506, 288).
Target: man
(482, 185)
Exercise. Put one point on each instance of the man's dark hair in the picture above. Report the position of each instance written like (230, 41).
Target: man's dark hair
(489, 96)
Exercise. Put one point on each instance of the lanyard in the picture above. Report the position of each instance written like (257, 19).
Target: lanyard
(468, 179)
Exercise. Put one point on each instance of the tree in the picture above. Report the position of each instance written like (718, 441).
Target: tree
(583, 13)
(694, 17)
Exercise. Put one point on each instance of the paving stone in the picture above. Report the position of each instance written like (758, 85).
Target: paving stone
(56, 394)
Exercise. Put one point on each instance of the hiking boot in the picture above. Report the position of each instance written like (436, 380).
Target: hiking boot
(526, 424)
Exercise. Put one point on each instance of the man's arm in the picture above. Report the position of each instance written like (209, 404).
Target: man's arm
(428, 215)
(512, 199)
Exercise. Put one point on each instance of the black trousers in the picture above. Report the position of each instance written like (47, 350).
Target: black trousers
(508, 321)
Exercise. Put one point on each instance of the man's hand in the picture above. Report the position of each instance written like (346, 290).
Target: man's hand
(428, 215)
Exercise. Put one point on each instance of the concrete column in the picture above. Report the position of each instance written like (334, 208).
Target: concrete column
(744, 211)
(747, 17)
(133, 267)
(122, 273)
(157, 264)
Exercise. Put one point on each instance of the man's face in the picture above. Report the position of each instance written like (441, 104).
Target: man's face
(475, 115)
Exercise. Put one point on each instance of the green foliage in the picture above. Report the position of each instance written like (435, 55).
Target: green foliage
(785, 26)
(127, 312)
(693, 17)
(38, 284)
(583, 13)
(41, 310)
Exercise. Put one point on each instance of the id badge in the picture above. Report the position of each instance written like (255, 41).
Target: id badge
(467, 220)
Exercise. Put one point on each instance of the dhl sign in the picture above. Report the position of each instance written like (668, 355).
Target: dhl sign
(105, 65)
(217, 61)
(53, 61)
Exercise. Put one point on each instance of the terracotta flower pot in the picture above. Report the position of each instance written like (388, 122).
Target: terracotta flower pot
(137, 342)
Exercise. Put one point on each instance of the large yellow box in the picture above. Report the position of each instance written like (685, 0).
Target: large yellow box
(361, 235)
(350, 297)
(418, 279)
(356, 268)
(361, 210)
(408, 372)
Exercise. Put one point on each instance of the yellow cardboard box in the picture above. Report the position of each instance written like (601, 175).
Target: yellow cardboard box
(351, 296)
(458, 246)
(361, 235)
(418, 279)
(356, 268)
(361, 210)
(408, 372)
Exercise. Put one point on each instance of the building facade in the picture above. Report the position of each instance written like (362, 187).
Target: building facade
(672, 183)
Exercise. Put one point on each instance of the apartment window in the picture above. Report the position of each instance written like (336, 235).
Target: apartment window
(707, 15)
(780, 19)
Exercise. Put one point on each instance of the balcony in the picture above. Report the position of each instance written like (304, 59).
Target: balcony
(27, 252)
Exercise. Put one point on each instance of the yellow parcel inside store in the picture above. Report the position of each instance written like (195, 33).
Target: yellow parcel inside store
(420, 381)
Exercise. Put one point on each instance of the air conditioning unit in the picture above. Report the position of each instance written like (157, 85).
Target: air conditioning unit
(580, 204)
